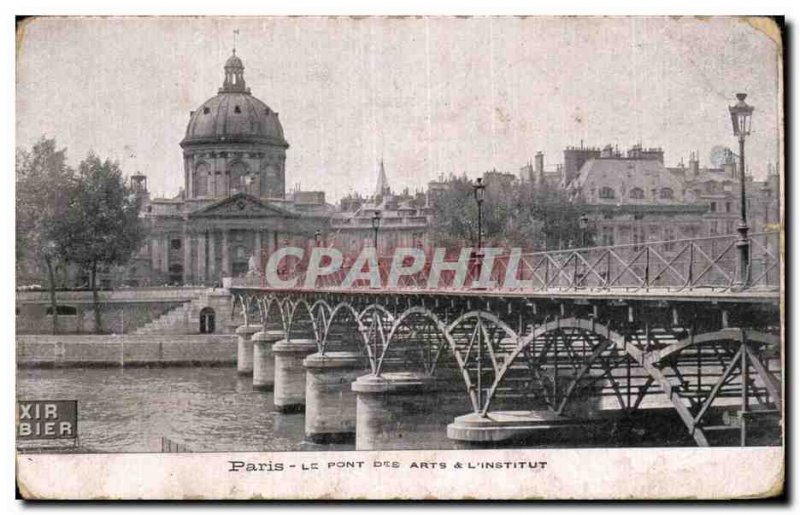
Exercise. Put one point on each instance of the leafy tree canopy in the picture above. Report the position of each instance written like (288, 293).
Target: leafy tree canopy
(43, 183)
(102, 224)
(530, 215)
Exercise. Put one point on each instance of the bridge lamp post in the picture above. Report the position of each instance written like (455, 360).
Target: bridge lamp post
(741, 118)
(583, 224)
(478, 190)
(376, 224)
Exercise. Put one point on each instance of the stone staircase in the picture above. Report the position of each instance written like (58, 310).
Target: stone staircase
(175, 321)
(185, 319)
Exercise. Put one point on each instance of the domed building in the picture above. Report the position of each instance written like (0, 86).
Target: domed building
(234, 142)
(233, 209)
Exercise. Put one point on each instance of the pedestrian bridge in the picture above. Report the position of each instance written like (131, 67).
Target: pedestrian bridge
(576, 336)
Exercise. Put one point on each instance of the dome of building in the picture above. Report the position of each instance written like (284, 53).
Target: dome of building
(234, 62)
(234, 115)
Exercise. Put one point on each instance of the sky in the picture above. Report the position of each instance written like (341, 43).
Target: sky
(427, 95)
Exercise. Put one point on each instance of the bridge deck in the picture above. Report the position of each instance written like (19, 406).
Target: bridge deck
(751, 295)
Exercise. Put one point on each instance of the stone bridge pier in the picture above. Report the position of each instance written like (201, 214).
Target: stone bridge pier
(330, 399)
(244, 352)
(263, 358)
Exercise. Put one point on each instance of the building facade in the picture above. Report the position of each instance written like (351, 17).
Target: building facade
(233, 208)
(633, 197)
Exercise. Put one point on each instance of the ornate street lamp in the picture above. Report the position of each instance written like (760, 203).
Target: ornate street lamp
(376, 223)
(741, 118)
(478, 189)
(583, 224)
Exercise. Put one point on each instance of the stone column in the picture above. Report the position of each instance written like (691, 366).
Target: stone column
(257, 246)
(290, 374)
(226, 258)
(212, 257)
(263, 360)
(155, 261)
(188, 177)
(330, 399)
(244, 351)
(389, 407)
(201, 258)
(187, 258)
(165, 255)
(270, 243)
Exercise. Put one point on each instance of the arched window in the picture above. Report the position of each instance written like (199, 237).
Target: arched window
(606, 192)
(637, 193)
(207, 321)
(666, 193)
(201, 180)
(237, 171)
(175, 273)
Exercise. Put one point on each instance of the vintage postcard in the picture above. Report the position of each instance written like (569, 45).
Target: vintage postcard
(486, 257)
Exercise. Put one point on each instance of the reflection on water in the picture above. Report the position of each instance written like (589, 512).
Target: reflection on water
(203, 409)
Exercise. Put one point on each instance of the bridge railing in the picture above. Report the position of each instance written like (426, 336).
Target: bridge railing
(709, 263)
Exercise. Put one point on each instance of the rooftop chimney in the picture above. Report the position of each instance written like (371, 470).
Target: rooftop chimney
(694, 164)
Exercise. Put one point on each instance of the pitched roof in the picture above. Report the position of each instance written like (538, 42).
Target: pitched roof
(623, 175)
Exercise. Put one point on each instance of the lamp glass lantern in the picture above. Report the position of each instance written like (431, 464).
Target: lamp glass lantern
(741, 116)
(376, 223)
(479, 188)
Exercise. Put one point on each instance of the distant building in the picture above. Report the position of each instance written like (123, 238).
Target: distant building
(535, 172)
(574, 158)
(719, 189)
(634, 198)
(404, 219)
(499, 180)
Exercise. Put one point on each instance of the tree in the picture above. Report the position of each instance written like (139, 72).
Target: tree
(533, 216)
(455, 214)
(43, 182)
(102, 225)
(557, 216)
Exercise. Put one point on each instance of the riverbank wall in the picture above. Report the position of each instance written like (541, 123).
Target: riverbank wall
(54, 351)
(122, 311)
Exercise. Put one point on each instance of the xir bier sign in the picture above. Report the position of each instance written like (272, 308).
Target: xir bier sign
(47, 420)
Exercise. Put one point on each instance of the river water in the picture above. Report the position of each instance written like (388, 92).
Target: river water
(215, 410)
(201, 409)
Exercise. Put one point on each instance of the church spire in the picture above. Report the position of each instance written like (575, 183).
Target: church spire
(382, 187)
